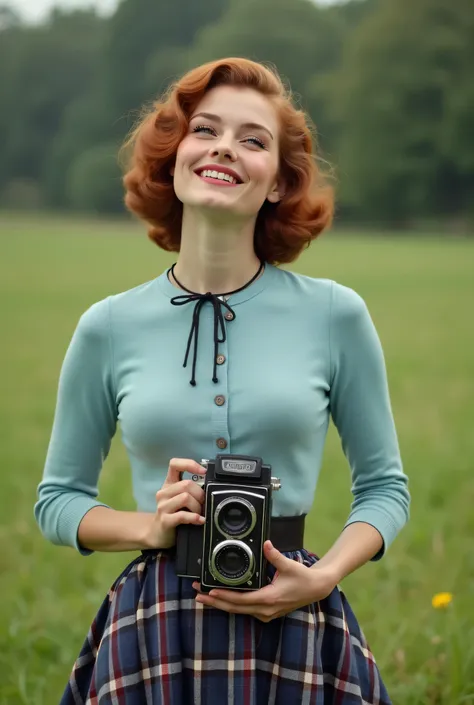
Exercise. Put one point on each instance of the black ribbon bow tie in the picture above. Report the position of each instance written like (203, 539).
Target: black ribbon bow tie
(219, 326)
(218, 302)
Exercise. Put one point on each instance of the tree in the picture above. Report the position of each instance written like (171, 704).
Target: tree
(47, 67)
(295, 35)
(140, 30)
(162, 68)
(86, 122)
(94, 181)
(403, 99)
(322, 88)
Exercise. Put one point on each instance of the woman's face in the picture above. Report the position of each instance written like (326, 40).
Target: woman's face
(228, 161)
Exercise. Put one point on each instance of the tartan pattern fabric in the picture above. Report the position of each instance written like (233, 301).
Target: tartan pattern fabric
(151, 643)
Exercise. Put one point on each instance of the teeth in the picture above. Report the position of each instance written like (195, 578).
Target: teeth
(218, 175)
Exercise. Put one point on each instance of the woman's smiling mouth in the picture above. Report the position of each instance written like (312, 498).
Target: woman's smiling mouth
(220, 176)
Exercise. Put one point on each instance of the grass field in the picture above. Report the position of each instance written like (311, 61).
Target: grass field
(421, 295)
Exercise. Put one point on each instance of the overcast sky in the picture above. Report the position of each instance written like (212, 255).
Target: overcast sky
(34, 10)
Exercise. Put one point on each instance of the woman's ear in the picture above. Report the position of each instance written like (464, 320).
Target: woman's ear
(277, 192)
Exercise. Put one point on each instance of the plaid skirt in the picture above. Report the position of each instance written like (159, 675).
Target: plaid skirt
(151, 643)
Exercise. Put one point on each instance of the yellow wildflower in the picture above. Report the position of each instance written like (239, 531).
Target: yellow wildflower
(441, 600)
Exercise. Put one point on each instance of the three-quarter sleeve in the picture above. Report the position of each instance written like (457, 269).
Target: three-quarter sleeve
(84, 424)
(361, 411)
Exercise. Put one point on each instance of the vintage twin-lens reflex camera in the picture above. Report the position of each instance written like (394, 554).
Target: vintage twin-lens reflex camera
(227, 551)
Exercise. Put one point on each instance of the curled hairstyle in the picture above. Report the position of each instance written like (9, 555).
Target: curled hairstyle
(282, 229)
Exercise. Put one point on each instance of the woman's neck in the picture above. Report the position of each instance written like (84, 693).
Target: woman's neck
(216, 254)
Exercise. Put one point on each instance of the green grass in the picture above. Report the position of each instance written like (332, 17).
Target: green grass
(420, 293)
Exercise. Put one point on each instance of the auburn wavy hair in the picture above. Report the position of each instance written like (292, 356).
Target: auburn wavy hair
(282, 229)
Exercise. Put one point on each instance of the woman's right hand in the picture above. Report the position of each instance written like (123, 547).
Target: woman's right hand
(173, 499)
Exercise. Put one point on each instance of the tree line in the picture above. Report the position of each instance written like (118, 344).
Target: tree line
(388, 84)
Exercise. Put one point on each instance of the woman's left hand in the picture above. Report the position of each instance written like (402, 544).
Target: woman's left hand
(294, 586)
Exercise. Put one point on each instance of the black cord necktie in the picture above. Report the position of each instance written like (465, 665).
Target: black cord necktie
(217, 301)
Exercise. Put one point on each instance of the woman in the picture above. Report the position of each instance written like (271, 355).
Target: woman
(223, 173)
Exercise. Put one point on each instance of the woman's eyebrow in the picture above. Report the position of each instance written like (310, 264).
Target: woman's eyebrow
(247, 125)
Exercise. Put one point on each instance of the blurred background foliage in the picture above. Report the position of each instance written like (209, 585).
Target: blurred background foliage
(388, 84)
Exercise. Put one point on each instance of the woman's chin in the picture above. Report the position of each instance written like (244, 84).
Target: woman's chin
(215, 203)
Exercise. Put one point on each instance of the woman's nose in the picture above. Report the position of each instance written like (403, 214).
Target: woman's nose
(223, 149)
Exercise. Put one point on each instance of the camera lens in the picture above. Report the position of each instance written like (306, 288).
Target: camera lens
(232, 562)
(235, 517)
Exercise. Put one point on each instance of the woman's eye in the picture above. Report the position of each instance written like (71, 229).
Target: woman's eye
(207, 129)
(256, 141)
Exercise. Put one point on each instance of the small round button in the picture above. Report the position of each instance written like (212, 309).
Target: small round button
(219, 400)
(220, 359)
(221, 443)
(229, 316)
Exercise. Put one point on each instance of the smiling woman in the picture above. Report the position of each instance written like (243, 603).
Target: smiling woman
(223, 172)
(237, 115)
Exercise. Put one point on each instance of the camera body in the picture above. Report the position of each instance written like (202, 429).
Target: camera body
(227, 551)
